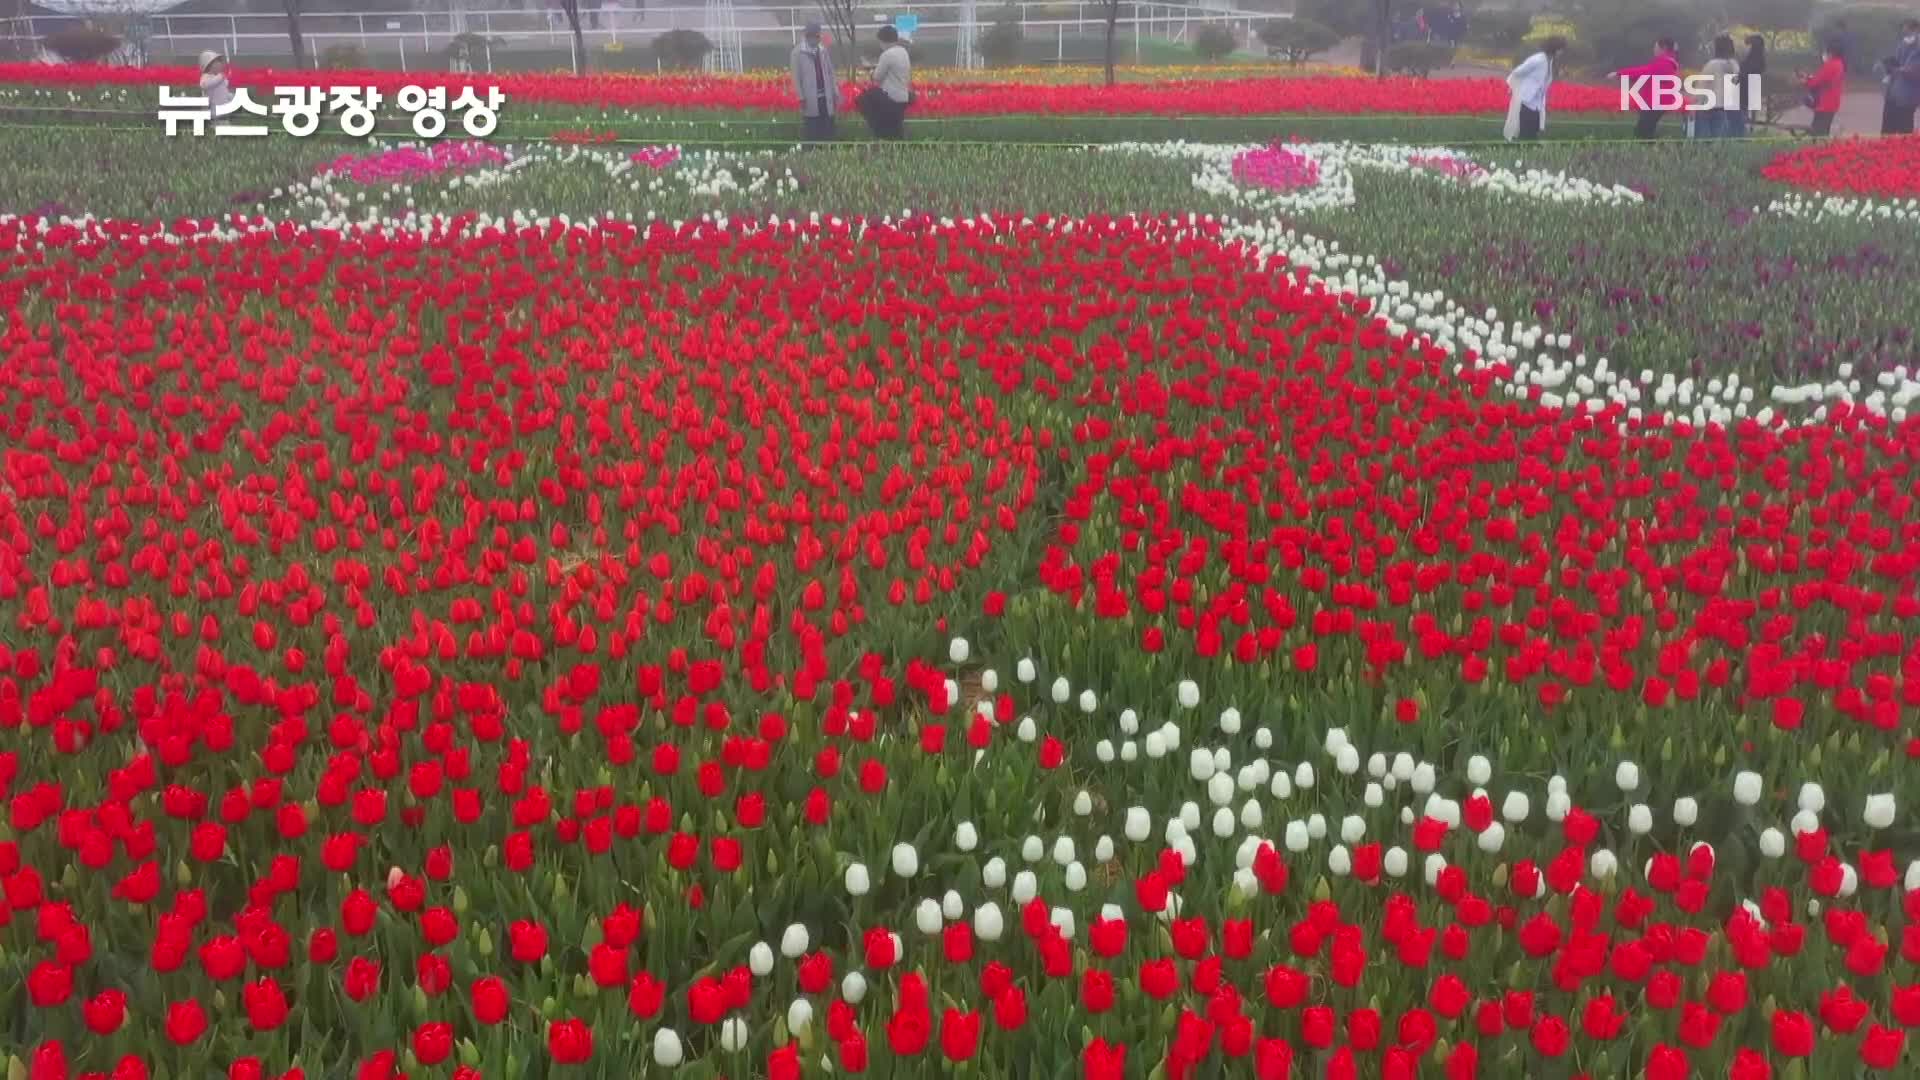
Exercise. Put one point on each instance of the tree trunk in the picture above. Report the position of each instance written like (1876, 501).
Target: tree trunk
(294, 37)
(1113, 25)
(572, 10)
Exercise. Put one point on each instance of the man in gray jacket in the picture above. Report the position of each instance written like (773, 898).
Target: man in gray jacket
(814, 81)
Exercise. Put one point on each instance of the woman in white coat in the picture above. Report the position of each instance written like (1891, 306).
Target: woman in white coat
(1527, 111)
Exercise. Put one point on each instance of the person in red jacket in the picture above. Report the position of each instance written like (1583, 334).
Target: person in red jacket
(1826, 89)
(1665, 64)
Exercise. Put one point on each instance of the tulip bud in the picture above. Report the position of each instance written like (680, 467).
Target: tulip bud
(760, 959)
(1061, 690)
(853, 988)
(1879, 812)
(958, 650)
(667, 1051)
(1024, 670)
(988, 924)
(1746, 788)
(906, 861)
(1479, 770)
(1025, 887)
(857, 881)
(794, 942)
(994, 874)
(965, 836)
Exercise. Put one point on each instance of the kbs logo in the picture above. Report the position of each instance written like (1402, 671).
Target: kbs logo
(1671, 93)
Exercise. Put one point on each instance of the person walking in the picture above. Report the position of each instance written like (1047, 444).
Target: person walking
(885, 102)
(1752, 66)
(1724, 70)
(1827, 88)
(1665, 65)
(1902, 71)
(814, 82)
(1528, 84)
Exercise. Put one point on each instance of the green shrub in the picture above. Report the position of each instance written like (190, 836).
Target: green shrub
(1418, 58)
(1500, 31)
(1343, 17)
(343, 58)
(1297, 39)
(1622, 38)
(682, 49)
(1000, 43)
(81, 44)
(1214, 43)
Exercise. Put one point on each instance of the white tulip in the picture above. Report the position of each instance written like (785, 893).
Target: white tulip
(1812, 798)
(1246, 883)
(1025, 887)
(1156, 745)
(994, 874)
(1223, 822)
(1187, 694)
(853, 988)
(958, 650)
(1190, 815)
(1805, 821)
(1062, 919)
(1103, 849)
(1262, 739)
(1103, 750)
(733, 1035)
(1200, 764)
(1222, 760)
(1640, 819)
(1317, 826)
(1423, 779)
(1913, 876)
(990, 680)
(1377, 765)
(927, 918)
(1346, 761)
(794, 942)
(1492, 838)
(799, 1017)
(1879, 812)
(1282, 785)
(1061, 691)
(1686, 811)
(1558, 806)
(1339, 861)
(760, 959)
(1435, 863)
(1230, 721)
(1027, 731)
(1479, 770)
(1374, 796)
(1402, 767)
(1515, 807)
(1849, 880)
(1170, 732)
(906, 861)
(965, 836)
(1394, 862)
(1088, 701)
(1303, 776)
(1063, 850)
(1082, 804)
(1626, 777)
(1603, 865)
(858, 884)
(1139, 824)
(1129, 722)
(1220, 789)
(1129, 751)
(1773, 844)
(667, 1051)
(1296, 836)
(1251, 816)
(1336, 738)
(1746, 788)
(1024, 670)
(1076, 877)
(988, 924)
(1032, 848)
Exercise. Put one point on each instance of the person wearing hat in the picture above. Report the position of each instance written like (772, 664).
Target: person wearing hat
(814, 81)
(214, 85)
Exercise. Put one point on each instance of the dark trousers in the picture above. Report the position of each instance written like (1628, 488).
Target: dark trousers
(1648, 124)
(819, 128)
(1823, 123)
(1896, 119)
(1734, 123)
(888, 118)
(1529, 123)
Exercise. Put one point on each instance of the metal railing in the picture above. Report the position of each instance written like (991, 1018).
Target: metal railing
(420, 38)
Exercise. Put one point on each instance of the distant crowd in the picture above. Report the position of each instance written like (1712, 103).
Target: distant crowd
(1822, 91)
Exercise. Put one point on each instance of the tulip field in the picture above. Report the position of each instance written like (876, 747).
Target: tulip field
(564, 608)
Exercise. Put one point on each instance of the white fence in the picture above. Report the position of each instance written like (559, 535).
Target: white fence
(420, 38)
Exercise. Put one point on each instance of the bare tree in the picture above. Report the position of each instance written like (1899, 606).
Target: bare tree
(1112, 12)
(571, 8)
(294, 36)
(843, 18)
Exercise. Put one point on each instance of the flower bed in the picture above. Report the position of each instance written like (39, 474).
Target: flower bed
(1886, 168)
(604, 699)
(413, 162)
